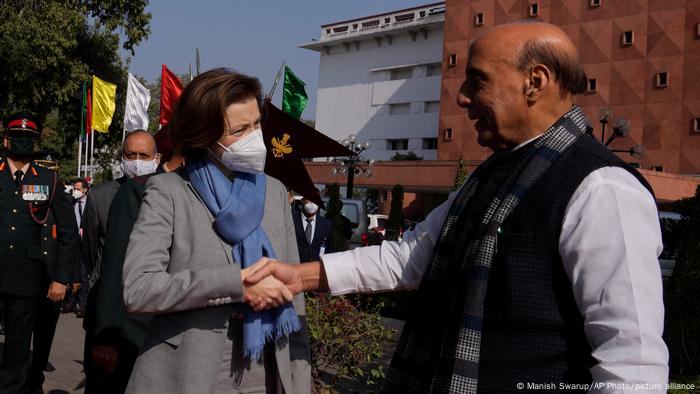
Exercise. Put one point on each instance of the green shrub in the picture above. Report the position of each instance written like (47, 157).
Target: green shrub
(345, 340)
(682, 330)
(393, 227)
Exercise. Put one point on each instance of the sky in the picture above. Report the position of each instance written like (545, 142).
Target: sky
(253, 37)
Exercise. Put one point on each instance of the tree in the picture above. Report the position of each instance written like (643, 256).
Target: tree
(682, 333)
(393, 227)
(48, 49)
(460, 177)
(335, 215)
(408, 156)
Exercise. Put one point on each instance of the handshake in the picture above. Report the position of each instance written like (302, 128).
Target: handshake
(270, 283)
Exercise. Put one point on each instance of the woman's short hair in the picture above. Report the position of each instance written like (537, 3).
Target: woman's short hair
(198, 119)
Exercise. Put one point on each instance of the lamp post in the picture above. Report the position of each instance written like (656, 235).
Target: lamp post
(354, 164)
(621, 128)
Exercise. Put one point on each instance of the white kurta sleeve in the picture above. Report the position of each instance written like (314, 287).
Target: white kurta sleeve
(609, 244)
(391, 265)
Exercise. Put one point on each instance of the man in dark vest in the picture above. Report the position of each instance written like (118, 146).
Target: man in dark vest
(314, 232)
(29, 194)
(541, 273)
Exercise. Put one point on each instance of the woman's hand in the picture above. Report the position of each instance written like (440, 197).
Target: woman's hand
(266, 293)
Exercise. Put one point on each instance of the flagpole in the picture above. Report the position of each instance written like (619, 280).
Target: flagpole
(87, 144)
(277, 79)
(92, 155)
(197, 59)
(80, 153)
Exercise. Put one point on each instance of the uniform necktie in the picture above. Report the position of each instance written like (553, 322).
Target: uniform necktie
(80, 208)
(308, 230)
(18, 177)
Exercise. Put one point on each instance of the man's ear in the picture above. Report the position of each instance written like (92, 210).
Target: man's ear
(158, 157)
(539, 79)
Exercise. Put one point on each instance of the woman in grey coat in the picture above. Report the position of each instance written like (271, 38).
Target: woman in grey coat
(198, 229)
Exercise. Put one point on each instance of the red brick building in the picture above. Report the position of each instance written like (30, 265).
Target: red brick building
(642, 58)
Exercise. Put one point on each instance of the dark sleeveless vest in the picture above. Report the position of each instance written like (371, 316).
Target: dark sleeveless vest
(533, 330)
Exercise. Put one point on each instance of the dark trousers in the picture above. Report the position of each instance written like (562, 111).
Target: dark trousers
(18, 313)
(45, 320)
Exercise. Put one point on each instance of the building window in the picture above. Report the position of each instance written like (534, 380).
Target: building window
(432, 106)
(429, 144)
(387, 20)
(595, 3)
(659, 168)
(354, 26)
(628, 37)
(401, 73)
(592, 85)
(697, 30)
(433, 70)
(405, 17)
(697, 124)
(452, 60)
(421, 14)
(340, 29)
(369, 24)
(448, 134)
(479, 19)
(662, 79)
(328, 31)
(400, 144)
(399, 109)
(534, 9)
(634, 165)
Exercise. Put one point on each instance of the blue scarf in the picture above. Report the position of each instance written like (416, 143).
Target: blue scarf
(238, 207)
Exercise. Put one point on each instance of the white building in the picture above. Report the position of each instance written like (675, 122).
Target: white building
(379, 79)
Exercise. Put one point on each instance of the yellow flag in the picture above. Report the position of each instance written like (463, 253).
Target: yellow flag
(104, 97)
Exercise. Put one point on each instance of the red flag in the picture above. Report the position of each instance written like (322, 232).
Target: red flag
(88, 116)
(170, 90)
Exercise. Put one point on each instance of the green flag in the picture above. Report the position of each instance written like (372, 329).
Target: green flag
(293, 95)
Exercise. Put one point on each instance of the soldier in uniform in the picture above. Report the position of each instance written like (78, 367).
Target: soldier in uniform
(28, 195)
(48, 311)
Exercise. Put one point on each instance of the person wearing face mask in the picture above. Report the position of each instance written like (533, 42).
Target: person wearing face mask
(139, 157)
(29, 195)
(77, 295)
(197, 230)
(117, 334)
(314, 233)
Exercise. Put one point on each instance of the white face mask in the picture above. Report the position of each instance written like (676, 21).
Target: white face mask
(134, 168)
(77, 194)
(310, 208)
(247, 154)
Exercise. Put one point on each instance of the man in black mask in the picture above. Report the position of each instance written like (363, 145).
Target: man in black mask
(28, 195)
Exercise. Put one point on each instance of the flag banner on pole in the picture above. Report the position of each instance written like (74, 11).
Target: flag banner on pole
(104, 101)
(170, 90)
(288, 141)
(88, 114)
(137, 99)
(294, 96)
(83, 113)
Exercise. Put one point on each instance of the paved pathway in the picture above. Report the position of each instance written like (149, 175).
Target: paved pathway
(66, 360)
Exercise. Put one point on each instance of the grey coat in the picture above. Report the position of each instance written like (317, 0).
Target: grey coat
(179, 269)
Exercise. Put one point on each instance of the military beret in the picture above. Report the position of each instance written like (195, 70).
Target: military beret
(22, 121)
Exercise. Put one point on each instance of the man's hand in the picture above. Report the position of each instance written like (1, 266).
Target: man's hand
(105, 357)
(264, 270)
(76, 287)
(56, 292)
(266, 292)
